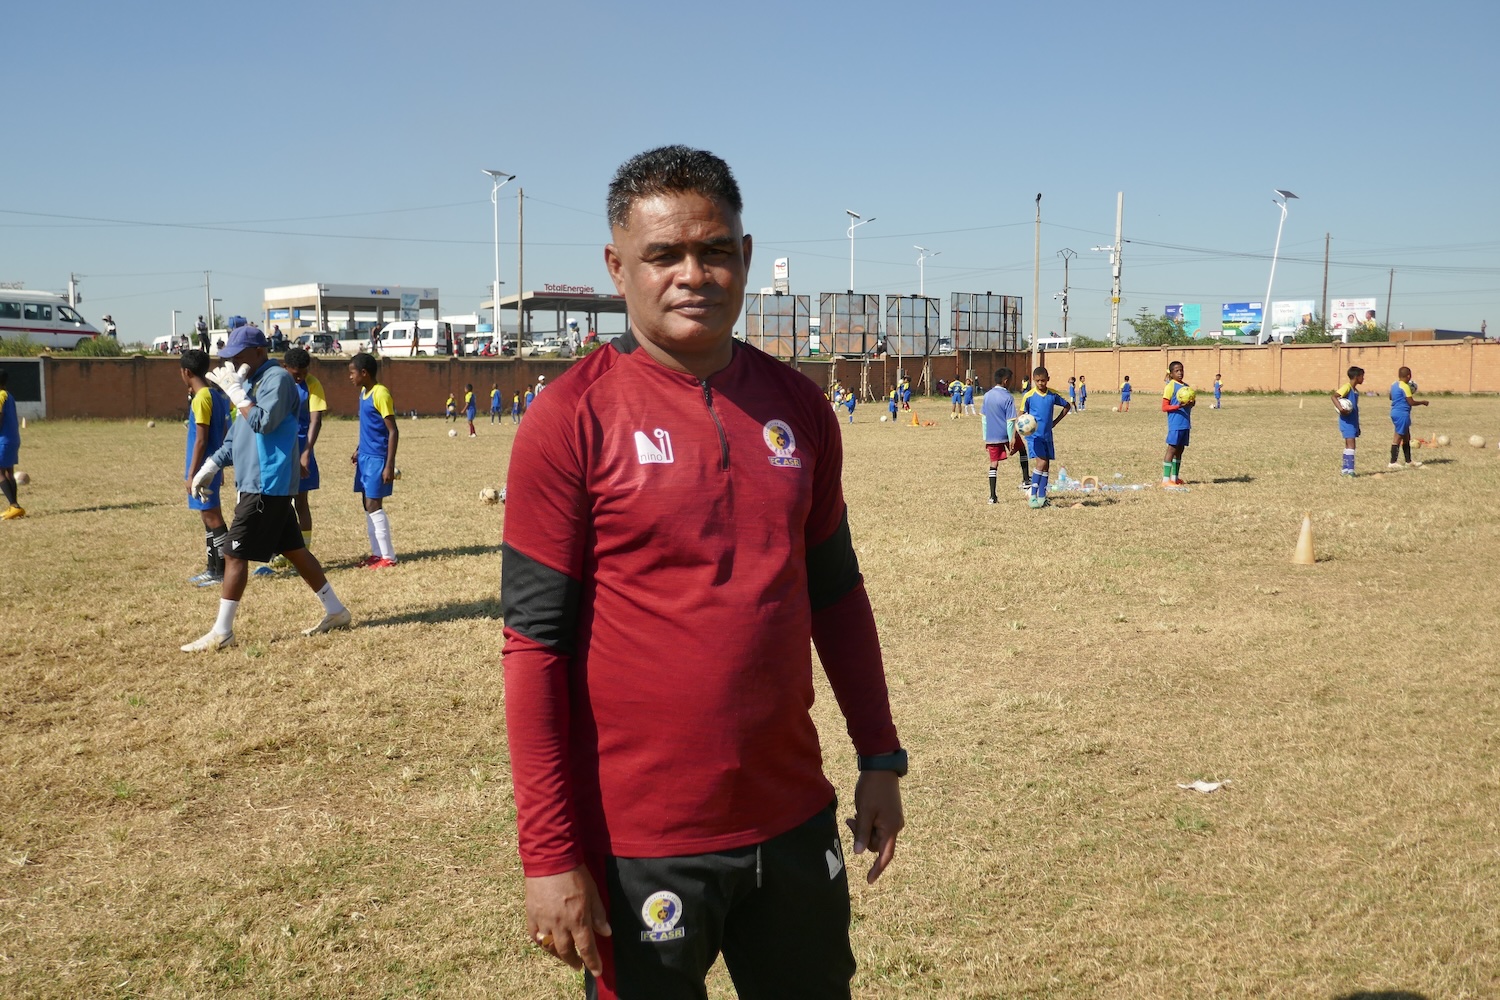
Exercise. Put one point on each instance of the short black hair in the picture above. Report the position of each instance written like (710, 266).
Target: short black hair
(195, 362)
(1040, 370)
(670, 169)
(1001, 374)
(1355, 370)
(363, 362)
(297, 357)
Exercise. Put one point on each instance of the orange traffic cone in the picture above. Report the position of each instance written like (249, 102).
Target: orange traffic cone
(1303, 554)
(914, 421)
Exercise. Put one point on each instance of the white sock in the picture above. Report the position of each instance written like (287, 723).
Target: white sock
(381, 526)
(370, 530)
(225, 624)
(331, 603)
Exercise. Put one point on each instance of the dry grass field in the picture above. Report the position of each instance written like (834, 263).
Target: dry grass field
(332, 816)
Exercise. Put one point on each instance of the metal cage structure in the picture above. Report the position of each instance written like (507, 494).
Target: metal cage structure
(778, 324)
(913, 327)
(850, 323)
(984, 321)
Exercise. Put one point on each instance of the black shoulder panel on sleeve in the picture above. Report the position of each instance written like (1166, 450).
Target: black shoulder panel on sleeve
(832, 567)
(537, 601)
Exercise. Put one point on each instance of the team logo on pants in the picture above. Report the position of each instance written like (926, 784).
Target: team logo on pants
(662, 911)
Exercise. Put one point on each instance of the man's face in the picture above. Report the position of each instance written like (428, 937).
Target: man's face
(1040, 381)
(253, 357)
(298, 374)
(681, 266)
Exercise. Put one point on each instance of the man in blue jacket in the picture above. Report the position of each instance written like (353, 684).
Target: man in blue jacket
(262, 447)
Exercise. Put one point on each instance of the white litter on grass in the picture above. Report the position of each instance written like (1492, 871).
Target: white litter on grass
(1205, 786)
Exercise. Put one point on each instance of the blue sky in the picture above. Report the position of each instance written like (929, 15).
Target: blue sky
(283, 143)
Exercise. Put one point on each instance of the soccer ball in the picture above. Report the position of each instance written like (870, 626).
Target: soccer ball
(882, 419)
(395, 473)
(1115, 409)
(452, 432)
(1026, 425)
(22, 478)
(1345, 405)
(1476, 441)
(1186, 395)
(489, 495)
(151, 423)
(1443, 440)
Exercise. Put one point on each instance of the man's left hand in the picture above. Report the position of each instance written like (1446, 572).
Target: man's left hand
(232, 381)
(877, 818)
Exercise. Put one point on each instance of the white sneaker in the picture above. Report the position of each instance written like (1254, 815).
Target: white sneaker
(1414, 465)
(1394, 465)
(339, 619)
(212, 642)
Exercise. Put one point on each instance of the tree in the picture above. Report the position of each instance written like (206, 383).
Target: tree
(1315, 332)
(1370, 333)
(1079, 340)
(1158, 331)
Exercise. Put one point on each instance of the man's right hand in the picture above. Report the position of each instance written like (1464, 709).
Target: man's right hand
(564, 914)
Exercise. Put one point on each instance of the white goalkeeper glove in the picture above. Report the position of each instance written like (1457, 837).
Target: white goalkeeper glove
(232, 381)
(204, 476)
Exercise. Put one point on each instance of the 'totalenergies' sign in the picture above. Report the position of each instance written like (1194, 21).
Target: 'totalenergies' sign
(571, 289)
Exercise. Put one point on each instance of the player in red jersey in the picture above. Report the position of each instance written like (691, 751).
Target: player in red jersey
(676, 542)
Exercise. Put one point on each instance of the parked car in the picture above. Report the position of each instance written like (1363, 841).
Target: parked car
(319, 343)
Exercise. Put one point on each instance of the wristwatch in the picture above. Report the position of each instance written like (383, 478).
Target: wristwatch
(893, 761)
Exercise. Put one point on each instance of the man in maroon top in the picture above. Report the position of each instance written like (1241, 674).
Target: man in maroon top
(676, 541)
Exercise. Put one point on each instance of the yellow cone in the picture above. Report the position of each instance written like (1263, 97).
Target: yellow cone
(1303, 555)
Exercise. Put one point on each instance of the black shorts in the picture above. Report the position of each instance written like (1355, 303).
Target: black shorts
(263, 526)
(778, 911)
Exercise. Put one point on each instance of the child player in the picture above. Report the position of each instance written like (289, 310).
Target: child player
(1041, 402)
(969, 398)
(450, 408)
(469, 407)
(1218, 392)
(1083, 394)
(311, 405)
(494, 403)
(1348, 396)
(375, 459)
(1125, 395)
(890, 403)
(10, 449)
(1073, 392)
(956, 394)
(1179, 424)
(208, 422)
(997, 419)
(515, 408)
(849, 404)
(1403, 398)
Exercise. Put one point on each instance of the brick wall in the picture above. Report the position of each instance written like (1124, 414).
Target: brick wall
(150, 386)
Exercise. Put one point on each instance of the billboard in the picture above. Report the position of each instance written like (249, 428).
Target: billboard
(1189, 314)
(1242, 319)
(780, 279)
(983, 321)
(777, 324)
(1345, 315)
(849, 323)
(1289, 317)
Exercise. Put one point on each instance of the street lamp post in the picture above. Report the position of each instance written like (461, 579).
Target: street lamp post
(1280, 201)
(174, 326)
(855, 224)
(921, 270)
(1067, 254)
(499, 178)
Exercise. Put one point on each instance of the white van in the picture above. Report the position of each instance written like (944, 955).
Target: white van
(409, 338)
(43, 318)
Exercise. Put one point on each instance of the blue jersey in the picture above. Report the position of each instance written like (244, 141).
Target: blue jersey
(262, 443)
(1042, 405)
(996, 411)
(214, 405)
(1083, 391)
(1072, 393)
(1177, 420)
(968, 393)
(956, 390)
(1218, 388)
(1125, 392)
(1401, 393)
(1351, 419)
(10, 427)
(375, 404)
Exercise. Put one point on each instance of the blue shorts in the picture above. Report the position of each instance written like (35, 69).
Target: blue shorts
(367, 470)
(1178, 439)
(10, 450)
(312, 480)
(1402, 422)
(1040, 446)
(212, 503)
(469, 413)
(1348, 428)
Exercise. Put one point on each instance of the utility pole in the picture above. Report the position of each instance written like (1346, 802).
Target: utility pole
(1326, 237)
(520, 266)
(1067, 255)
(1036, 286)
(73, 298)
(1114, 268)
(208, 296)
(1390, 289)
